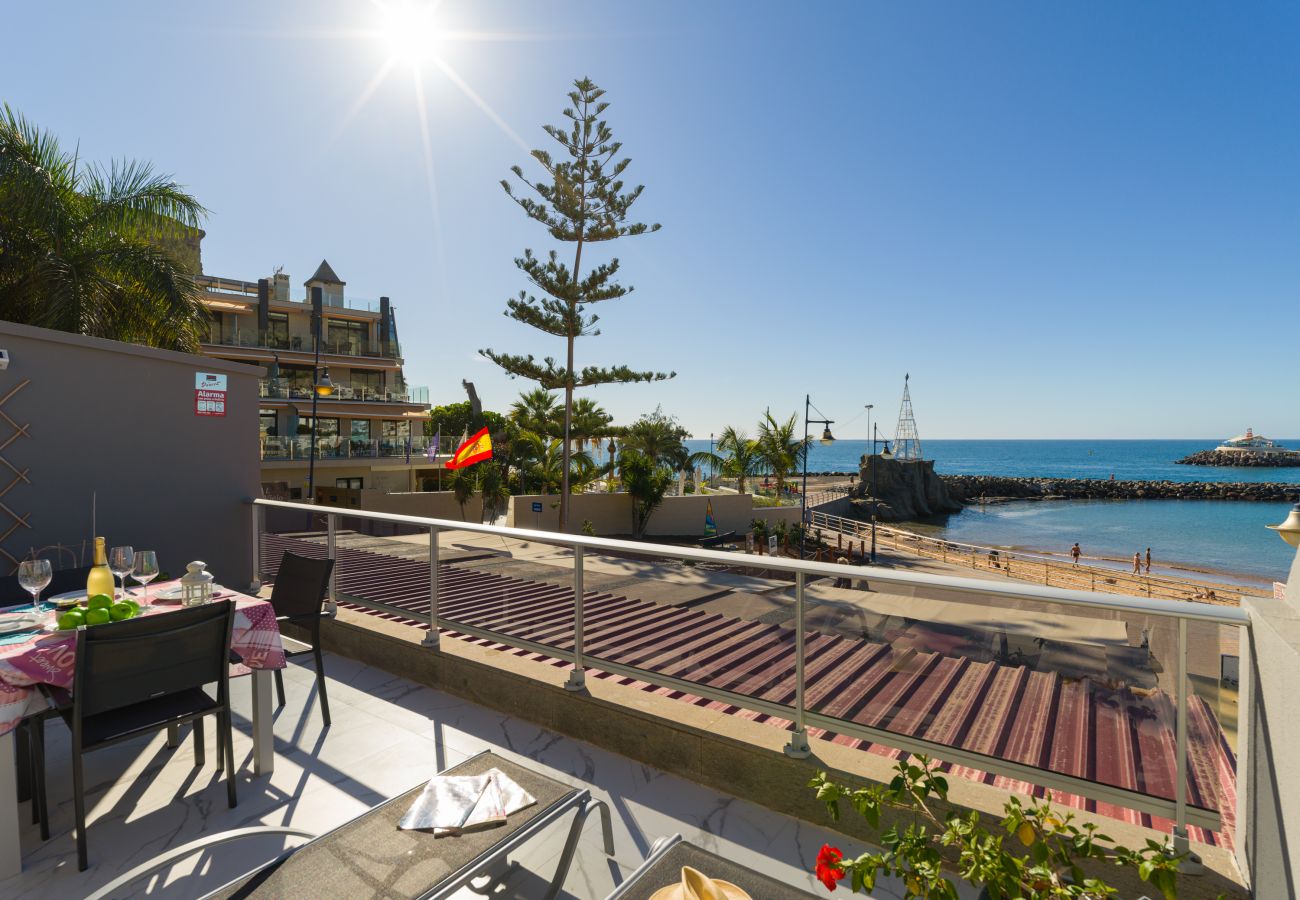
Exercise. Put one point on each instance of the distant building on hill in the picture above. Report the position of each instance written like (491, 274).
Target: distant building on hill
(1251, 444)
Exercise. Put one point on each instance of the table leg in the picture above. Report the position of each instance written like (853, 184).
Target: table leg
(11, 850)
(263, 734)
(173, 737)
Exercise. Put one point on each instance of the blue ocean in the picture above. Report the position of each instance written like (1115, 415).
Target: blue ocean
(1213, 536)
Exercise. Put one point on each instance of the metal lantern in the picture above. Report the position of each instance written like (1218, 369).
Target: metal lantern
(196, 585)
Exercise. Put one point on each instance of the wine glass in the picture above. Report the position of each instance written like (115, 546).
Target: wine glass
(34, 575)
(121, 560)
(145, 570)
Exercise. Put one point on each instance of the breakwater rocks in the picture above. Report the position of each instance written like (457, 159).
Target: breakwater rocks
(1246, 460)
(974, 488)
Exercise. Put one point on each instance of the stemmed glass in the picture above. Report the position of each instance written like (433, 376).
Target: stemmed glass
(121, 560)
(34, 575)
(145, 570)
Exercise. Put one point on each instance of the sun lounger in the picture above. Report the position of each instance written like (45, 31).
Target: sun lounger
(368, 857)
(663, 866)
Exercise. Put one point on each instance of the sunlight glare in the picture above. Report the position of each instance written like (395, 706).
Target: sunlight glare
(410, 32)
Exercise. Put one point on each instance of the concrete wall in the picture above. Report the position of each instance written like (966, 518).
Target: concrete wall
(1268, 766)
(433, 504)
(118, 421)
(611, 514)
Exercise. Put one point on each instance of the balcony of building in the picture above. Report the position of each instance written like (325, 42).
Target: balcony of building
(332, 447)
(284, 389)
(353, 347)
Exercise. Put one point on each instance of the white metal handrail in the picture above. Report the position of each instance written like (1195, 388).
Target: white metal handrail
(1177, 809)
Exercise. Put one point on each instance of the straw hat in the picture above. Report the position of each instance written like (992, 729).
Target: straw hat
(698, 886)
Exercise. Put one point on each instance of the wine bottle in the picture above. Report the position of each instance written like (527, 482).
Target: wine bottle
(100, 580)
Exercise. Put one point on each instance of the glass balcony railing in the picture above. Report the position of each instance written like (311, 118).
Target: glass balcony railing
(335, 447)
(282, 389)
(357, 347)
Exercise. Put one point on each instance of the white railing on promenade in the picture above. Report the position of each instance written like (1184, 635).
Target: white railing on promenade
(1031, 566)
(1176, 809)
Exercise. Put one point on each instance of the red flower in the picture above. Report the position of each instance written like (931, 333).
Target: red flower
(828, 869)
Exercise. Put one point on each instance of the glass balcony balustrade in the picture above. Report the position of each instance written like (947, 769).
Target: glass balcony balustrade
(283, 389)
(357, 347)
(336, 447)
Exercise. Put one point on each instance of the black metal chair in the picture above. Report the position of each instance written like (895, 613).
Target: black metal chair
(298, 598)
(140, 676)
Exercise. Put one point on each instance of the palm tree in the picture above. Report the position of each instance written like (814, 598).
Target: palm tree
(647, 480)
(778, 447)
(589, 422)
(740, 455)
(537, 411)
(494, 490)
(462, 488)
(85, 249)
(660, 438)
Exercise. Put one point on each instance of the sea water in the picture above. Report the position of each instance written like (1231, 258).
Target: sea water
(1217, 536)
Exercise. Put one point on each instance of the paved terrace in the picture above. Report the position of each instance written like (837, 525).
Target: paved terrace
(1071, 693)
(388, 735)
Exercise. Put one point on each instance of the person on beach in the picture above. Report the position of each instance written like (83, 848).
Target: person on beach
(1148, 560)
(1075, 553)
(1137, 563)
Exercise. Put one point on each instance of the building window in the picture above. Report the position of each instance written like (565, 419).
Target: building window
(267, 423)
(347, 337)
(396, 430)
(367, 379)
(348, 484)
(361, 437)
(277, 331)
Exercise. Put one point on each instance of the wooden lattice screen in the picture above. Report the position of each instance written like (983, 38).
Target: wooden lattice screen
(15, 520)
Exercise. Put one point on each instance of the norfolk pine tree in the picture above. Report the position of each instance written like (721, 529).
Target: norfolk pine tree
(583, 202)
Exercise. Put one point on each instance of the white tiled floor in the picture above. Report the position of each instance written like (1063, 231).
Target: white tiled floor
(388, 735)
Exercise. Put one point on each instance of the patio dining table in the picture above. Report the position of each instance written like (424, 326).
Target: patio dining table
(47, 657)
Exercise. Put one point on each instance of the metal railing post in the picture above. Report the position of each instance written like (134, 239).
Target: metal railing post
(259, 520)
(331, 550)
(1181, 845)
(578, 675)
(431, 639)
(798, 744)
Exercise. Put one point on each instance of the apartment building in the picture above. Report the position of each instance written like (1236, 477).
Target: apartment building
(369, 428)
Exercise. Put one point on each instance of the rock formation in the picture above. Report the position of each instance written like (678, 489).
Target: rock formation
(904, 490)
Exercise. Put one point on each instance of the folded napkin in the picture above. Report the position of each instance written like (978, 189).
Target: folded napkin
(453, 804)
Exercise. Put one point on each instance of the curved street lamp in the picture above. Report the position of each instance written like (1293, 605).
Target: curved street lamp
(875, 503)
(827, 439)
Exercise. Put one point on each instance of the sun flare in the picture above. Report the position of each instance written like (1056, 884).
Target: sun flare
(409, 31)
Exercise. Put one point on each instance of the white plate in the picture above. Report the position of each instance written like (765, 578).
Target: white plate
(79, 594)
(173, 593)
(15, 624)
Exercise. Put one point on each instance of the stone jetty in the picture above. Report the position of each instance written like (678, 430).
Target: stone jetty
(1248, 460)
(974, 488)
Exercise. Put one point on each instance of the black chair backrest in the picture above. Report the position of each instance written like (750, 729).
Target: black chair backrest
(301, 585)
(123, 663)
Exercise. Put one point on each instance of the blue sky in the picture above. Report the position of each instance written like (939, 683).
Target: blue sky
(1063, 219)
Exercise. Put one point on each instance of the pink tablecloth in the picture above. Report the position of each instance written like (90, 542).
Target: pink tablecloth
(48, 657)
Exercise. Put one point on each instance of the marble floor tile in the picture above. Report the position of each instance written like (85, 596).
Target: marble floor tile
(388, 735)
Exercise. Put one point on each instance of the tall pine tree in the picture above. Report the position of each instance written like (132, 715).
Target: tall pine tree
(581, 202)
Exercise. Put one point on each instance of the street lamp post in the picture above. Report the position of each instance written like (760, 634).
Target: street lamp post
(321, 387)
(827, 438)
(710, 456)
(875, 503)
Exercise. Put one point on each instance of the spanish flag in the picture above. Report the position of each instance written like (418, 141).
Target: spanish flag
(476, 449)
